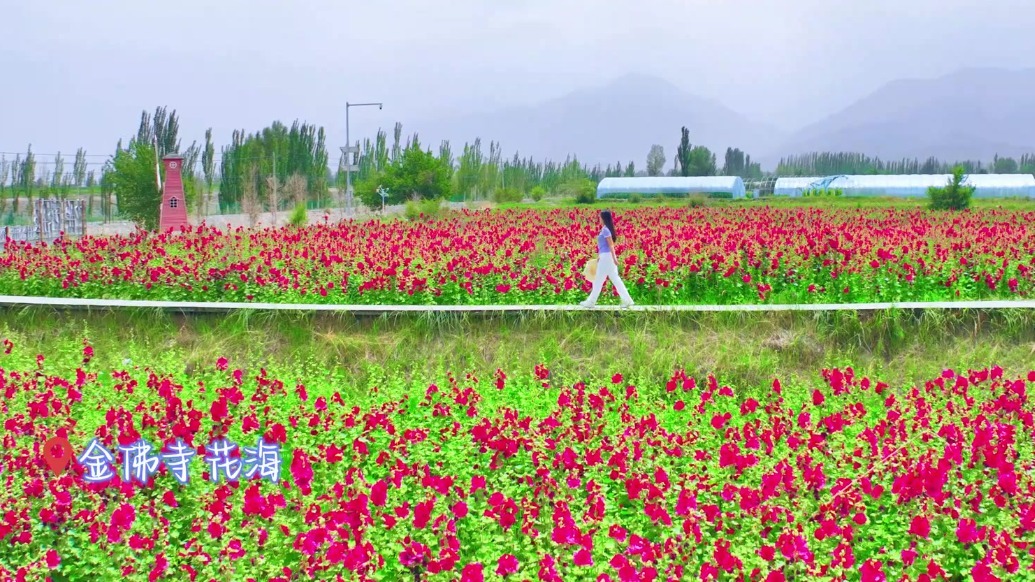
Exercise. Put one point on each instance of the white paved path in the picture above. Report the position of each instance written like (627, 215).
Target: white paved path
(203, 306)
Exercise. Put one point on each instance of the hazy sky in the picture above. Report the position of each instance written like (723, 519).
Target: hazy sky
(78, 73)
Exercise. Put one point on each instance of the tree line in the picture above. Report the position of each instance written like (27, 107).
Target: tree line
(834, 163)
(281, 167)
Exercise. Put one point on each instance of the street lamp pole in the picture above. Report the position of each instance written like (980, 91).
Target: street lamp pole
(349, 150)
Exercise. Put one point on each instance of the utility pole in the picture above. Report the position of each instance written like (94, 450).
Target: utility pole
(351, 153)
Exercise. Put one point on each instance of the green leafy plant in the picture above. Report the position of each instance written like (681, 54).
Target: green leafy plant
(954, 195)
(507, 196)
(298, 217)
(583, 191)
(135, 184)
(427, 209)
(696, 201)
(538, 193)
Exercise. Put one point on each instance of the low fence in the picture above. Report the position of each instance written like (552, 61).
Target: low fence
(51, 219)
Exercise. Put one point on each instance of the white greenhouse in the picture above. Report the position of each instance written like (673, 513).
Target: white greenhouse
(670, 186)
(912, 185)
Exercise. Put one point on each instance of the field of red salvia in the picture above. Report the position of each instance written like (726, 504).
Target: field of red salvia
(721, 255)
(523, 476)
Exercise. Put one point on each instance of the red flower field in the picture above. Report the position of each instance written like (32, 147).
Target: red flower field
(722, 255)
(524, 476)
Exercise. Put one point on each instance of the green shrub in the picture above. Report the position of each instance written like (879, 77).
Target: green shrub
(583, 191)
(822, 192)
(507, 196)
(299, 217)
(635, 198)
(538, 193)
(696, 201)
(429, 209)
(952, 196)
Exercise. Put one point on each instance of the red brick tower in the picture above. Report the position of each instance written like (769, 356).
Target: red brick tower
(173, 213)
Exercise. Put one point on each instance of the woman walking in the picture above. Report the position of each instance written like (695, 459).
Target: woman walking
(607, 264)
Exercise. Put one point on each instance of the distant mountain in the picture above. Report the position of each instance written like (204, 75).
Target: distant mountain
(971, 114)
(607, 124)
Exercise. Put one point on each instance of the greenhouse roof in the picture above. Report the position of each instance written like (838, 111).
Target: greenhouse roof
(986, 184)
(671, 185)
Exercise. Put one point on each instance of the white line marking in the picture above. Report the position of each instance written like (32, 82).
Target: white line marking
(203, 306)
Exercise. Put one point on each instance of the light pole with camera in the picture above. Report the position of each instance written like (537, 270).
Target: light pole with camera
(350, 150)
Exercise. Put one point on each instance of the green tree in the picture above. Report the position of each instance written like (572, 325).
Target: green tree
(701, 162)
(26, 178)
(299, 150)
(954, 195)
(655, 160)
(416, 173)
(683, 153)
(734, 164)
(469, 170)
(208, 167)
(1004, 165)
(59, 172)
(79, 177)
(5, 172)
(134, 182)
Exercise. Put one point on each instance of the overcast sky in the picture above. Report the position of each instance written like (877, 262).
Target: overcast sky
(78, 73)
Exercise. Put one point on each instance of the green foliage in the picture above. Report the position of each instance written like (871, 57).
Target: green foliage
(737, 163)
(583, 191)
(134, 181)
(299, 217)
(834, 163)
(635, 198)
(423, 209)
(822, 192)
(299, 150)
(538, 193)
(655, 160)
(415, 173)
(507, 196)
(697, 201)
(683, 153)
(952, 196)
(702, 162)
(208, 166)
(694, 160)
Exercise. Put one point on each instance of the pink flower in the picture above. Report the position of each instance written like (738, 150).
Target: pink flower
(508, 564)
(921, 526)
(301, 471)
(472, 573)
(379, 493)
(872, 571)
(159, 568)
(169, 499)
(422, 513)
(53, 559)
(583, 558)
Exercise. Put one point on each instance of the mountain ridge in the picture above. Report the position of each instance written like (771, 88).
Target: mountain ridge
(972, 113)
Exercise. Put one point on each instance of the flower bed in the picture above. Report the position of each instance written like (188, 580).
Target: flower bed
(522, 476)
(722, 255)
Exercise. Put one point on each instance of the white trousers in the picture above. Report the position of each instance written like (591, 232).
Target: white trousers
(607, 269)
